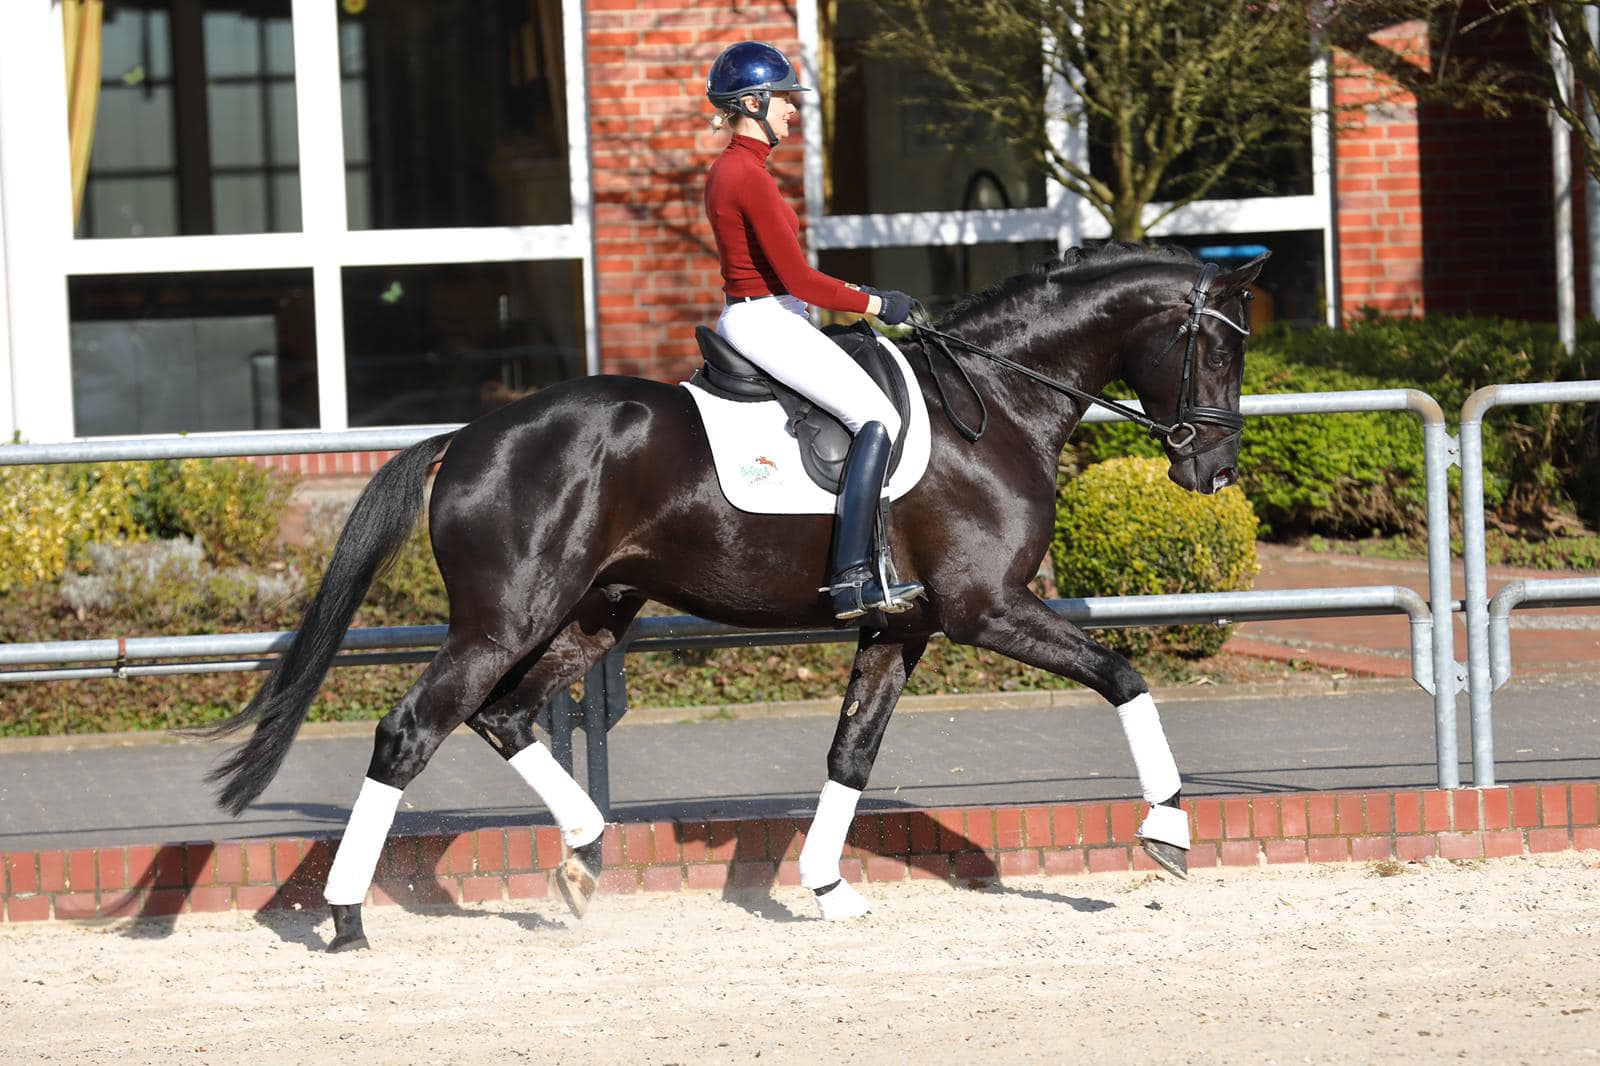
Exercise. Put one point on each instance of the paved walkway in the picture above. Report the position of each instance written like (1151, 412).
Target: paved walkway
(1016, 748)
(1563, 640)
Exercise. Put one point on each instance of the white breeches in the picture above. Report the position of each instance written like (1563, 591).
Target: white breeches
(775, 334)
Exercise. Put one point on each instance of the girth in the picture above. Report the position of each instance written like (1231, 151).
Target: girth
(824, 440)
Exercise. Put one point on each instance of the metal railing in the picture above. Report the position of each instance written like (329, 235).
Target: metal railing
(1483, 617)
(1433, 665)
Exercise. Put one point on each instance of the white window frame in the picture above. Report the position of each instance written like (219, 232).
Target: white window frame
(39, 252)
(1066, 217)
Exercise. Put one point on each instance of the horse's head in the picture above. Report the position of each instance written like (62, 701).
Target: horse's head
(1185, 361)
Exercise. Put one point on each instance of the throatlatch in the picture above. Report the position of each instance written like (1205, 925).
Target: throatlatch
(862, 582)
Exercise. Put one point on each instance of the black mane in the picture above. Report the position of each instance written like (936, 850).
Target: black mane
(1077, 266)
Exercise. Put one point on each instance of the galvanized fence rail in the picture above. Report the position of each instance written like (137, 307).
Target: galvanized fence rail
(1433, 665)
(1489, 623)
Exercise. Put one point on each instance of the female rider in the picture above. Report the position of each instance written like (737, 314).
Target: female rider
(767, 284)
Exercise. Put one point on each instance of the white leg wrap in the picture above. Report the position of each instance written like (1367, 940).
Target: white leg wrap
(357, 858)
(568, 803)
(819, 856)
(1169, 825)
(1158, 774)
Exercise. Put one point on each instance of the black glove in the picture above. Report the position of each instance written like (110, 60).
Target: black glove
(896, 305)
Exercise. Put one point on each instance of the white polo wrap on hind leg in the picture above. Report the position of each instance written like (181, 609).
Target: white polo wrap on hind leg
(1158, 773)
(580, 820)
(357, 858)
(819, 856)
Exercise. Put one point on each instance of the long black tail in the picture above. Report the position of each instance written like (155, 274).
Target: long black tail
(378, 525)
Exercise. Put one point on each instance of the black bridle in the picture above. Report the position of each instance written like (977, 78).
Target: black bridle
(1189, 416)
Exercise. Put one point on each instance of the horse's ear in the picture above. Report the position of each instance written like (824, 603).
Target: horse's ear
(1236, 279)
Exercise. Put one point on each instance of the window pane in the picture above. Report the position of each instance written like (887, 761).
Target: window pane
(180, 353)
(885, 152)
(455, 114)
(236, 116)
(447, 343)
(937, 275)
(1292, 286)
(191, 91)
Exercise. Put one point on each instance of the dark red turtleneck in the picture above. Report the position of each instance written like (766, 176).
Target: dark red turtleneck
(758, 233)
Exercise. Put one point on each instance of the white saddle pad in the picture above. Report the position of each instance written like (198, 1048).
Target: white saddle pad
(758, 462)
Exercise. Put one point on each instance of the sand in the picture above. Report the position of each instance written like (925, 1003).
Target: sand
(1494, 961)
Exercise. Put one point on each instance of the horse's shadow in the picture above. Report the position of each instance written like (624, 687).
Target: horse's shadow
(916, 839)
(760, 853)
(182, 875)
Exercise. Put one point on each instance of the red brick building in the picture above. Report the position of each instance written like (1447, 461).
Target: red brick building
(509, 194)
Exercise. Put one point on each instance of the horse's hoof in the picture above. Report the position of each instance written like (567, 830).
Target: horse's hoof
(1169, 857)
(842, 901)
(347, 932)
(577, 884)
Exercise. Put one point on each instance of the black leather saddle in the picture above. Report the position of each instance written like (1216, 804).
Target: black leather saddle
(824, 440)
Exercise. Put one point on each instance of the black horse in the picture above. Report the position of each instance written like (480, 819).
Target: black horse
(554, 518)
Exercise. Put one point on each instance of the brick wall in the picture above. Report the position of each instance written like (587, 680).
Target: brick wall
(652, 143)
(327, 464)
(1378, 185)
(963, 845)
(1440, 210)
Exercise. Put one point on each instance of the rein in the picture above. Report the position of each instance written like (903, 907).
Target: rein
(1189, 414)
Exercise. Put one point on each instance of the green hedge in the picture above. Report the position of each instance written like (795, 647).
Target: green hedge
(1345, 474)
(1538, 459)
(1124, 529)
(1362, 475)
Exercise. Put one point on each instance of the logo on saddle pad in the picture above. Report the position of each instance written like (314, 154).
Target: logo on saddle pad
(761, 470)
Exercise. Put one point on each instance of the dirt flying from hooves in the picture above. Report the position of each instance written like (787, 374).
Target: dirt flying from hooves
(1494, 961)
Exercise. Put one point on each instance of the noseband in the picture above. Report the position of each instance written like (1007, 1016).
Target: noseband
(1180, 436)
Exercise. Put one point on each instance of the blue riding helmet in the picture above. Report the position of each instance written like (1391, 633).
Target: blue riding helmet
(751, 68)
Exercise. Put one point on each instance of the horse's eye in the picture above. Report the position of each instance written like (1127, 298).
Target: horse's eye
(1219, 358)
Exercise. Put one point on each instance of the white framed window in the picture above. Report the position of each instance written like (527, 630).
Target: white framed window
(297, 213)
(895, 212)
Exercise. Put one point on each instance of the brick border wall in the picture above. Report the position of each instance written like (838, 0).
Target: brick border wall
(326, 464)
(968, 845)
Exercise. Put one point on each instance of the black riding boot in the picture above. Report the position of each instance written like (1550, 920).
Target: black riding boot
(859, 580)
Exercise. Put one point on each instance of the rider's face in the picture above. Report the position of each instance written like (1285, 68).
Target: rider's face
(781, 112)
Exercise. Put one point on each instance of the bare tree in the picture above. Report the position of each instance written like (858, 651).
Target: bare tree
(1178, 95)
(1570, 85)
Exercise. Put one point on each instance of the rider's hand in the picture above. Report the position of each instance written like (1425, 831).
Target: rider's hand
(896, 306)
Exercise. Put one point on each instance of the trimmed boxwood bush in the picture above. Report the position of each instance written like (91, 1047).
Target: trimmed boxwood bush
(1123, 528)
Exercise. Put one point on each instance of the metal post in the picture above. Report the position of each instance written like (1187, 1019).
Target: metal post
(1475, 563)
(562, 714)
(1446, 681)
(1561, 168)
(598, 781)
(615, 665)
